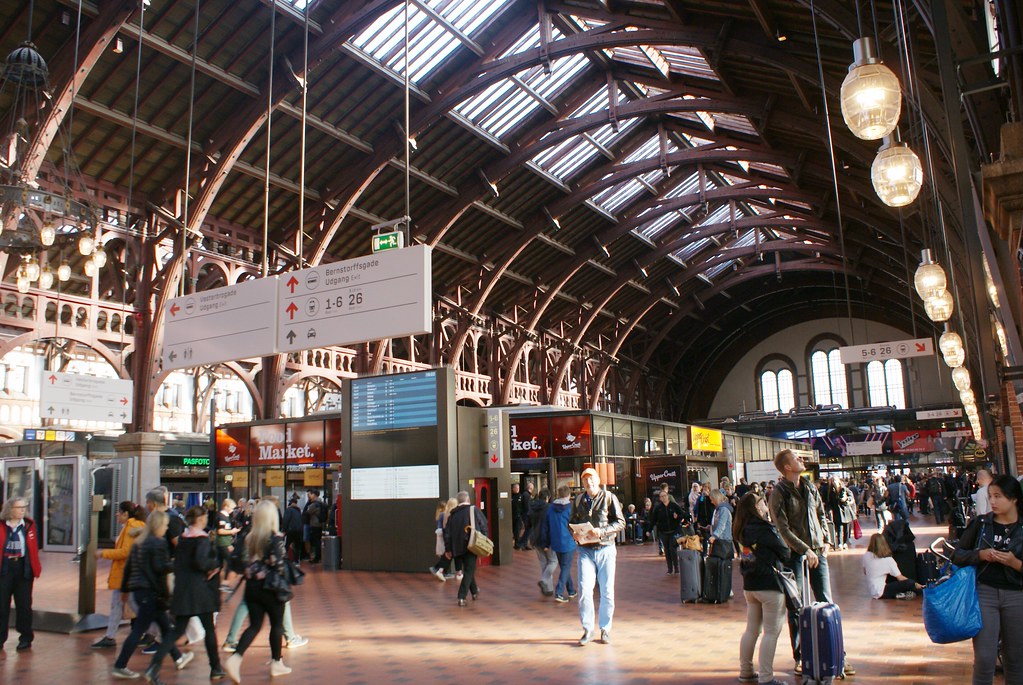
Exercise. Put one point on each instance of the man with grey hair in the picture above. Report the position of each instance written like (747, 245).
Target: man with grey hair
(156, 500)
(456, 543)
(19, 567)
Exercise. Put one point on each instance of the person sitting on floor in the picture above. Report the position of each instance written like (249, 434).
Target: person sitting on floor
(883, 575)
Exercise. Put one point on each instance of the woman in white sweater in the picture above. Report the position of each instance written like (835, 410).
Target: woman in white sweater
(883, 575)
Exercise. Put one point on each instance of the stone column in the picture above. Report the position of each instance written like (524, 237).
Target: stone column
(145, 446)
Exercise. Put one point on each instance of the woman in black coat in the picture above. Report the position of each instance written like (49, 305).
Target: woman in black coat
(196, 591)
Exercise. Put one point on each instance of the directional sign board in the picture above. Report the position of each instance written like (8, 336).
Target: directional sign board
(385, 295)
(897, 349)
(233, 322)
(939, 414)
(87, 398)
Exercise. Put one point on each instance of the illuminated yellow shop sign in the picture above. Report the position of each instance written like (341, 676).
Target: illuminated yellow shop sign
(704, 439)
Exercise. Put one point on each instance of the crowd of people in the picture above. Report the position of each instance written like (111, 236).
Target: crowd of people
(168, 573)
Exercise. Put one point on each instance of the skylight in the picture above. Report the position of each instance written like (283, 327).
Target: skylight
(430, 40)
(611, 199)
(689, 186)
(505, 104)
(570, 155)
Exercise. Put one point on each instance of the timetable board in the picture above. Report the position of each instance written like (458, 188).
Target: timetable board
(383, 403)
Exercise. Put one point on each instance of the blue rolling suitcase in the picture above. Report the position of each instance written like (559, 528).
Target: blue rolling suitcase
(820, 639)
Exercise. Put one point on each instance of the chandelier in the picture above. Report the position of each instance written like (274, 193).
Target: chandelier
(41, 226)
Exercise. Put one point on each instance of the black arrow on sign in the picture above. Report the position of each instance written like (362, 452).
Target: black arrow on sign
(291, 337)
(173, 355)
(50, 410)
(123, 415)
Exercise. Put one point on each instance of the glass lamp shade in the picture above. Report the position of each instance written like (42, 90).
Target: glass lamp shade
(32, 269)
(929, 278)
(955, 358)
(871, 96)
(23, 284)
(968, 397)
(939, 307)
(897, 175)
(90, 268)
(64, 272)
(949, 341)
(86, 244)
(961, 378)
(47, 234)
(99, 256)
(46, 278)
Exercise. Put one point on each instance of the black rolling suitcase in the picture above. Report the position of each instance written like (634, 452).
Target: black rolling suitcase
(690, 573)
(717, 580)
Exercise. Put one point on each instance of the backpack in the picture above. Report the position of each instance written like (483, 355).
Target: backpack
(236, 560)
(934, 487)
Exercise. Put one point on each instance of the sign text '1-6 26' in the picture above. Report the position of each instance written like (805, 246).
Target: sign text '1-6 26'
(339, 302)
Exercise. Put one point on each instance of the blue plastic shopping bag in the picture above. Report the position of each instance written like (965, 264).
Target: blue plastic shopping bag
(952, 608)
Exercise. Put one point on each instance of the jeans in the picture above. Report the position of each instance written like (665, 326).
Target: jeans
(315, 537)
(15, 585)
(548, 559)
(597, 566)
(901, 511)
(263, 603)
(242, 613)
(1000, 611)
(765, 610)
(565, 574)
(939, 509)
(820, 583)
(148, 612)
(116, 612)
(670, 551)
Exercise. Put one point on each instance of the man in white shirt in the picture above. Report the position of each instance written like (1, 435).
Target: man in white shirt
(980, 499)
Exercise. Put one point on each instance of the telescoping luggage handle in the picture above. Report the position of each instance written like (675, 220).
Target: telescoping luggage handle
(805, 585)
(943, 543)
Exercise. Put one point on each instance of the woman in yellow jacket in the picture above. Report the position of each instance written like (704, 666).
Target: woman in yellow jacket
(133, 520)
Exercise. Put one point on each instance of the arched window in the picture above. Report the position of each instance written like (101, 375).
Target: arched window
(828, 373)
(777, 390)
(885, 384)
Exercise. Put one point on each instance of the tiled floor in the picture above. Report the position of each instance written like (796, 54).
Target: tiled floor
(391, 628)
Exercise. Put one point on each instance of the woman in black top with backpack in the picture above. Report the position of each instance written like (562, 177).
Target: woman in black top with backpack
(994, 544)
(762, 553)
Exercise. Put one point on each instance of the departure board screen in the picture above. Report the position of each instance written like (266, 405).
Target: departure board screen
(383, 403)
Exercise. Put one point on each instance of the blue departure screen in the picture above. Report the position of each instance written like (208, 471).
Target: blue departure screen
(389, 402)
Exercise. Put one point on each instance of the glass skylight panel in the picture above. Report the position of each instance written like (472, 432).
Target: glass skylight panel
(692, 249)
(616, 196)
(505, 104)
(430, 42)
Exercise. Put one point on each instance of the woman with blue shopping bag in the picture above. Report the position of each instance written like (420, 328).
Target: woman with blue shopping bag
(993, 545)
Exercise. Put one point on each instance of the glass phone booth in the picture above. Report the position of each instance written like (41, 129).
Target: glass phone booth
(20, 480)
(65, 503)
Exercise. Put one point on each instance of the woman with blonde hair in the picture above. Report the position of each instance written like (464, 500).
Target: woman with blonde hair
(441, 518)
(883, 575)
(265, 555)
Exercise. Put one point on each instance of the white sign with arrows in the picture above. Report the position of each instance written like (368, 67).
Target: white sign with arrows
(897, 349)
(385, 295)
(219, 325)
(85, 398)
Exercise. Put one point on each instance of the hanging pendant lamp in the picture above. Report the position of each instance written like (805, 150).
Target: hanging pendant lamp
(939, 307)
(896, 173)
(871, 96)
(929, 279)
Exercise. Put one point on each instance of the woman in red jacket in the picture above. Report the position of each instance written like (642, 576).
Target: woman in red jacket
(19, 567)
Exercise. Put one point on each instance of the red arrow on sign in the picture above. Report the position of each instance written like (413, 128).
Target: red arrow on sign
(493, 458)
(124, 400)
(292, 282)
(921, 347)
(175, 309)
(53, 379)
(291, 309)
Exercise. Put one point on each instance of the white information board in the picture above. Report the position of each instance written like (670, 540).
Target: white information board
(864, 447)
(897, 349)
(939, 414)
(385, 295)
(219, 325)
(87, 398)
(399, 482)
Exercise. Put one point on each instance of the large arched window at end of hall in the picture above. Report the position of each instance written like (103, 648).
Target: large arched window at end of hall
(886, 384)
(777, 390)
(829, 379)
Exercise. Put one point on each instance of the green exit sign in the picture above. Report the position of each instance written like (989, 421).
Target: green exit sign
(388, 241)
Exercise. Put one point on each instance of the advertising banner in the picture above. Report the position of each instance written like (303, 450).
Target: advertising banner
(906, 442)
(704, 439)
(278, 443)
(571, 436)
(672, 475)
(529, 437)
(232, 446)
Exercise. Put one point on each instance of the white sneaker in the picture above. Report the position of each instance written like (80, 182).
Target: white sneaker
(184, 660)
(233, 666)
(439, 575)
(297, 641)
(124, 674)
(278, 668)
(906, 595)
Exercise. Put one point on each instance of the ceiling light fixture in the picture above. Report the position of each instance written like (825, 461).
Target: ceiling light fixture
(896, 173)
(871, 96)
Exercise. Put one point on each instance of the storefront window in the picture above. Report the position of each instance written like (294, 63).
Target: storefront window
(621, 441)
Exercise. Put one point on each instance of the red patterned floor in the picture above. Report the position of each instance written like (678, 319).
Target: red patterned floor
(378, 628)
